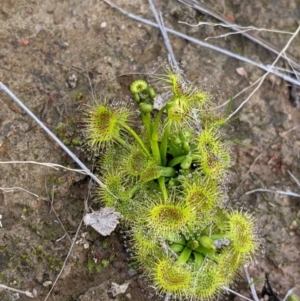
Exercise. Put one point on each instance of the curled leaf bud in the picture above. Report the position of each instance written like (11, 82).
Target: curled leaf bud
(199, 258)
(146, 107)
(187, 135)
(151, 92)
(186, 163)
(207, 242)
(138, 86)
(193, 244)
(176, 247)
(136, 97)
(184, 256)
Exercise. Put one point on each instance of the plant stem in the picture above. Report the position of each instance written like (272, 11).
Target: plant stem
(199, 258)
(154, 137)
(136, 137)
(184, 256)
(167, 172)
(164, 145)
(176, 161)
(132, 191)
(155, 151)
(162, 186)
(122, 142)
(156, 124)
(146, 118)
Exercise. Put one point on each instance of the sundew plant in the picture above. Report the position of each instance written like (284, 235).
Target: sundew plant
(167, 178)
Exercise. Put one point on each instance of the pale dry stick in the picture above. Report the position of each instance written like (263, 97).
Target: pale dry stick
(236, 95)
(54, 137)
(236, 293)
(294, 71)
(70, 250)
(65, 261)
(251, 284)
(294, 178)
(266, 74)
(290, 193)
(251, 37)
(204, 44)
(11, 189)
(289, 292)
(242, 29)
(52, 209)
(160, 22)
(56, 167)
(27, 293)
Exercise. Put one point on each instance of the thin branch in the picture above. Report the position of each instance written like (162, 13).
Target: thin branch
(265, 75)
(207, 45)
(236, 95)
(294, 178)
(242, 29)
(65, 261)
(251, 284)
(27, 293)
(12, 189)
(56, 167)
(52, 209)
(56, 139)
(289, 292)
(160, 22)
(236, 293)
(234, 27)
(290, 193)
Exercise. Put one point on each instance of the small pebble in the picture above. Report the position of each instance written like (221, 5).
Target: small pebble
(24, 42)
(266, 297)
(47, 283)
(294, 225)
(103, 24)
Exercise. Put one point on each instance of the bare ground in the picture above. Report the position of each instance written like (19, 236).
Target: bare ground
(45, 44)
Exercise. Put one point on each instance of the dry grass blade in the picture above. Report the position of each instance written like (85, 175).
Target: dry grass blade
(207, 45)
(242, 29)
(236, 293)
(51, 199)
(251, 284)
(290, 193)
(55, 138)
(265, 75)
(294, 178)
(26, 293)
(65, 261)
(159, 21)
(261, 42)
(54, 166)
(12, 189)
